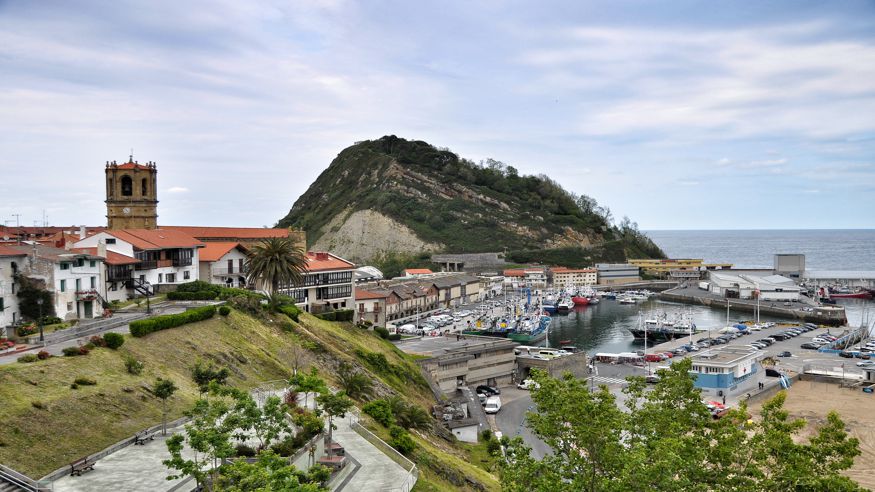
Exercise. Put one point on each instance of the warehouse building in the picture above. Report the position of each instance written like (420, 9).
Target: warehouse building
(749, 286)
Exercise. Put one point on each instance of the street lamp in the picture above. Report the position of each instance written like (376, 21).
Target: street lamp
(39, 321)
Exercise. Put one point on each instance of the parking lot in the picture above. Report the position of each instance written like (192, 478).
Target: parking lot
(799, 358)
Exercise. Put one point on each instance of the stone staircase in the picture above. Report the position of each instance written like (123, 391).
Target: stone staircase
(12, 481)
(92, 327)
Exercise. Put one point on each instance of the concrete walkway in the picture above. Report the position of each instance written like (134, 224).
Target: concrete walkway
(131, 469)
(377, 473)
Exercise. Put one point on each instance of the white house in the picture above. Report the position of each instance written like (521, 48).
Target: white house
(748, 286)
(166, 257)
(223, 263)
(73, 277)
(10, 262)
(574, 277)
(117, 272)
(327, 286)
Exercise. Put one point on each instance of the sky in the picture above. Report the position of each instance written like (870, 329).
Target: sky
(680, 115)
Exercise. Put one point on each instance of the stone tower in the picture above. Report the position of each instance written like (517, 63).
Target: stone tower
(131, 195)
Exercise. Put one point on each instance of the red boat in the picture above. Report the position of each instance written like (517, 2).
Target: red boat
(580, 301)
(854, 295)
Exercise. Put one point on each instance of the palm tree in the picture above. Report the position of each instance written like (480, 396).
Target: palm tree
(275, 261)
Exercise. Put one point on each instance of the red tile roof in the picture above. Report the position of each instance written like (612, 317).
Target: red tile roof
(417, 271)
(369, 294)
(131, 165)
(156, 238)
(320, 261)
(229, 232)
(9, 251)
(112, 258)
(214, 251)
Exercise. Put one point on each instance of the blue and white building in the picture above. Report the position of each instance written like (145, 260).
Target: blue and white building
(728, 371)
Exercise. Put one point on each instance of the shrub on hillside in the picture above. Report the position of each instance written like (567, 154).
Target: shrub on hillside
(401, 440)
(226, 293)
(51, 320)
(384, 333)
(329, 316)
(344, 315)
(83, 381)
(143, 327)
(394, 337)
(381, 411)
(244, 451)
(291, 311)
(133, 366)
(74, 351)
(113, 340)
(28, 358)
(97, 341)
(224, 310)
(43, 355)
(204, 374)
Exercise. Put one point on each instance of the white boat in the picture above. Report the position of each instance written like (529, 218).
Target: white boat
(626, 300)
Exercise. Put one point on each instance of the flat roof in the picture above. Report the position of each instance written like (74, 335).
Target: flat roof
(441, 346)
(723, 356)
(839, 274)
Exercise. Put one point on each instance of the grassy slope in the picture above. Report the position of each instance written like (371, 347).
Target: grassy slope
(75, 423)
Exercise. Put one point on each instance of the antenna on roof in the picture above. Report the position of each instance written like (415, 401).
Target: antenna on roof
(132, 155)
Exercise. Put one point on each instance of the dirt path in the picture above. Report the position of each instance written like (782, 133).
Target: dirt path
(812, 401)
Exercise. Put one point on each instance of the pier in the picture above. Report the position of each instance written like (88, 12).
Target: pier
(802, 310)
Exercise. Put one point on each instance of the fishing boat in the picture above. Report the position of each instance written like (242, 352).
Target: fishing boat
(564, 305)
(626, 300)
(860, 294)
(580, 300)
(658, 329)
(532, 331)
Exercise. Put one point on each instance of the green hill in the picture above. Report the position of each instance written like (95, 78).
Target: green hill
(400, 196)
(47, 424)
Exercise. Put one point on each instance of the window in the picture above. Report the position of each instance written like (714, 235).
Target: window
(78, 284)
(171, 278)
(63, 286)
(186, 275)
(92, 263)
(160, 278)
(143, 187)
(113, 286)
(230, 266)
(80, 262)
(127, 186)
(65, 266)
(1, 304)
(93, 282)
(110, 240)
(69, 306)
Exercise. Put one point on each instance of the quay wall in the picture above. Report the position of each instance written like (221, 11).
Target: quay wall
(823, 317)
(654, 285)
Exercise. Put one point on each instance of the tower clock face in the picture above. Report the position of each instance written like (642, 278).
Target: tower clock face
(126, 210)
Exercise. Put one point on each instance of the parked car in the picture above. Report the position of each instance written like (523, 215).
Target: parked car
(488, 390)
(810, 346)
(528, 384)
(482, 398)
(785, 354)
(493, 404)
(846, 354)
(866, 363)
(772, 373)
(679, 351)
(651, 379)
(653, 358)
(668, 354)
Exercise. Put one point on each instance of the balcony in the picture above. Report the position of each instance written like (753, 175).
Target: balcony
(223, 272)
(180, 262)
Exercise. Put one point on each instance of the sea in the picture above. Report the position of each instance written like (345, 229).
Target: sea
(605, 326)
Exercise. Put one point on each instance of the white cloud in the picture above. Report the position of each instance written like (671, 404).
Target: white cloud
(177, 189)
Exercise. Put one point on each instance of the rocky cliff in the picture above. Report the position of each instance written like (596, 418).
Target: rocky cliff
(398, 196)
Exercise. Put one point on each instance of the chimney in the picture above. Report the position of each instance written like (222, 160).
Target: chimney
(101, 248)
(81, 232)
(321, 255)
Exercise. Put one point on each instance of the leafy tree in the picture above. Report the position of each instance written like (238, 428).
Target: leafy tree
(381, 411)
(276, 261)
(357, 384)
(334, 405)
(401, 440)
(667, 440)
(266, 423)
(205, 374)
(163, 390)
(271, 473)
(208, 435)
(308, 383)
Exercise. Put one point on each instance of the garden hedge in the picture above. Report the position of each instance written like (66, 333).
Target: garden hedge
(291, 311)
(204, 295)
(143, 327)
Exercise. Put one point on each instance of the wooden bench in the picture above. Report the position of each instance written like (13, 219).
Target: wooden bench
(142, 437)
(334, 462)
(77, 468)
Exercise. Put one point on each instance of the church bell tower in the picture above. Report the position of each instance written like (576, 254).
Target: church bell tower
(131, 195)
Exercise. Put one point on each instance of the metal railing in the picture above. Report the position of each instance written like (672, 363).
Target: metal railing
(23, 482)
(389, 451)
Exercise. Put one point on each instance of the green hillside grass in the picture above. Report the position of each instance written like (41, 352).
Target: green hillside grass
(46, 424)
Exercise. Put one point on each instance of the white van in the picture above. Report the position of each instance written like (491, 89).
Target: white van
(493, 404)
